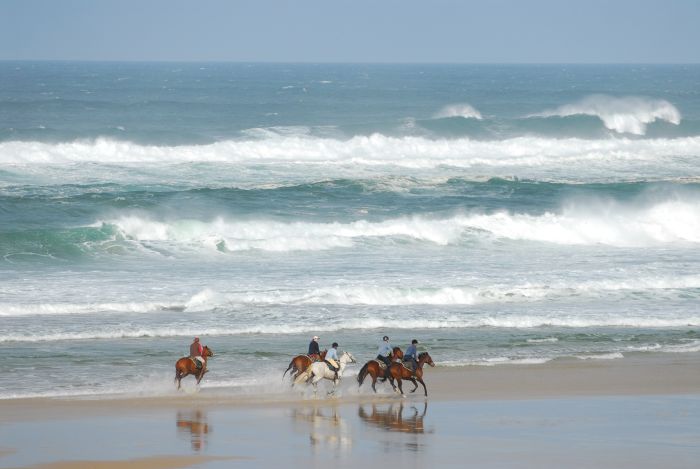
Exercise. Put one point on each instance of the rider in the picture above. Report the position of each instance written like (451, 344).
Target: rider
(332, 359)
(196, 352)
(314, 352)
(411, 355)
(384, 352)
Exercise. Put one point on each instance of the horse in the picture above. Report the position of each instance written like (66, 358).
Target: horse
(186, 366)
(374, 369)
(300, 363)
(398, 372)
(319, 370)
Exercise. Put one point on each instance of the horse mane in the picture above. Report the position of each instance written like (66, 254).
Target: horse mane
(421, 355)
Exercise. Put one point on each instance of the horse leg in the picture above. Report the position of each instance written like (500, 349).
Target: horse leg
(415, 384)
(400, 387)
(374, 382)
(424, 388)
(177, 378)
(391, 381)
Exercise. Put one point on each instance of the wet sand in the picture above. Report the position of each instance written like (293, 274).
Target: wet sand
(641, 411)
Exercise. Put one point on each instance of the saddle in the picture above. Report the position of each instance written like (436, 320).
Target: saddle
(314, 358)
(197, 363)
(381, 364)
(330, 367)
(408, 365)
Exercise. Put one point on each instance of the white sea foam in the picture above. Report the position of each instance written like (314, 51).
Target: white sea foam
(629, 114)
(437, 321)
(378, 295)
(689, 347)
(368, 151)
(51, 309)
(601, 356)
(458, 110)
(546, 340)
(672, 221)
(495, 361)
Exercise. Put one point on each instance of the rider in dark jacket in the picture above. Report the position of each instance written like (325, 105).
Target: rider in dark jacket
(314, 351)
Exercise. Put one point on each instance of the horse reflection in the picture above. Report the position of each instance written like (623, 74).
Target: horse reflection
(327, 430)
(393, 418)
(194, 423)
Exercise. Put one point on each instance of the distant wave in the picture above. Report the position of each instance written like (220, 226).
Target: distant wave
(458, 110)
(53, 309)
(378, 295)
(367, 323)
(628, 114)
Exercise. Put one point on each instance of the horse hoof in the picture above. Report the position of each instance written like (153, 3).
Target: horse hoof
(403, 395)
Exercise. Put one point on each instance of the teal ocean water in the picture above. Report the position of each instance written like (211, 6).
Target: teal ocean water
(498, 214)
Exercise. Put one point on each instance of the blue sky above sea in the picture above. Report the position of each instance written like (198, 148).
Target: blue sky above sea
(442, 31)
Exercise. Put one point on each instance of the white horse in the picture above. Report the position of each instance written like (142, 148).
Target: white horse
(319, 370)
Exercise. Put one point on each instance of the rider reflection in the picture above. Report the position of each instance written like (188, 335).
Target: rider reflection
(194, 423)
(327, 430)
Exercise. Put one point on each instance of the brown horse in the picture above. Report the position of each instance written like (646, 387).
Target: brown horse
(186, 366)
(399, 372)
(300, 363)
(374, 369)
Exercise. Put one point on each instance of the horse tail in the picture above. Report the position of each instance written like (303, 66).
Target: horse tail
(362, 374)
(291, 364)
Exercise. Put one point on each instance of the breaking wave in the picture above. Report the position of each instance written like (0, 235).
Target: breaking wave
(439, 321)
(672, 221)
(387, 295)
(627, 114)
(458, 110)
(372, 151)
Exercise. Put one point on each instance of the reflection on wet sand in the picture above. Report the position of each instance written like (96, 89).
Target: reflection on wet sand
(328, 430)
(393, 419)
(194, 424)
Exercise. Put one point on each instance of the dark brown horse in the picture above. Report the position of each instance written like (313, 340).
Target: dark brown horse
(399, 372)
(374, 369)
(300, 363)
(186, 366)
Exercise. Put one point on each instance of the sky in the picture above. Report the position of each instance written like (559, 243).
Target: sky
(405, 31)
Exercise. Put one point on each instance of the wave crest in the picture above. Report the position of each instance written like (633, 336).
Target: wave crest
(458, 110)
(673, 221)
(628, 114)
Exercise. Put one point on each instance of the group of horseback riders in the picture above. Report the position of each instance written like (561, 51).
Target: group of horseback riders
(390, 364)
(384, 354)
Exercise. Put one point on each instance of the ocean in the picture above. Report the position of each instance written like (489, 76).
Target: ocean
(497, 213)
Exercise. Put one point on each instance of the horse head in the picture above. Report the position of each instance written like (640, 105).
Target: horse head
(397, 353)
(207, 352)
(347, 358)
(426, 358)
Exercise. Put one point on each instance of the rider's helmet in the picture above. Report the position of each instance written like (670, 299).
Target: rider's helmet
(196, 339)
(414, 341)
(385, 338)
(315, 337)
(335, 344)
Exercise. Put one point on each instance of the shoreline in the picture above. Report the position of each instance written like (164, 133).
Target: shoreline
(640, 375)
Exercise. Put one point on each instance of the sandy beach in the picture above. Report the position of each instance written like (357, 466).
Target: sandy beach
(642, 411)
